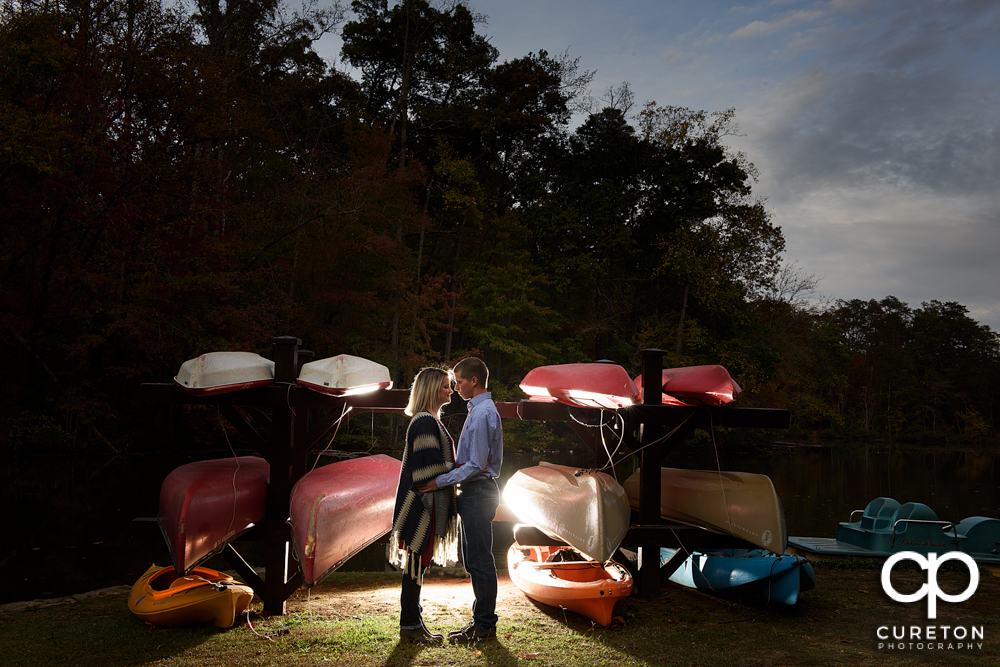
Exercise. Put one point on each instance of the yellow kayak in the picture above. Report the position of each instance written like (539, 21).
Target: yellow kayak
(163, 598)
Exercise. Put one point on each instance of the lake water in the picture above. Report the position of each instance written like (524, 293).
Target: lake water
(69, 520)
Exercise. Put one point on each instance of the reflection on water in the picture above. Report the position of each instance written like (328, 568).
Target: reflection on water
(69, 520)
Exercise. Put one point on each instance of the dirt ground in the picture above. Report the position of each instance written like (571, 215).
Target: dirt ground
(445, 597)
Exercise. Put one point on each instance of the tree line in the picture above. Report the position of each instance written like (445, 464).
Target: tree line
(195, 178)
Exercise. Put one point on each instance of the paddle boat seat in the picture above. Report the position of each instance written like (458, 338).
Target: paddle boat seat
(878, 514)
(887, 527)
(979, 535)
(913, 512)
(909, 527)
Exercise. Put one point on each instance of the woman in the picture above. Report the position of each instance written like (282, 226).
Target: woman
(424, 525)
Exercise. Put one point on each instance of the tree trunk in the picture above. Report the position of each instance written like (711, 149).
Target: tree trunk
(451, 302)
(404, 89)
(680, 325)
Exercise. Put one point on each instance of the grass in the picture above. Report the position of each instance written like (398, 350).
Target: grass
(351, 620)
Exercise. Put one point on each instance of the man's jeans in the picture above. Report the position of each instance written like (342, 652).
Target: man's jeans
(477, 505)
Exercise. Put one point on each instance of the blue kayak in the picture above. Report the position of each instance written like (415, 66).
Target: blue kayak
(745, 573)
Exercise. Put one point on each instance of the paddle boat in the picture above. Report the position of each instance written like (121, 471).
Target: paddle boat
(344, 375)
(586, 509)
(223, 372)
(886, 527)
(164, 598)
(754, 574)
(555, 574)
(204, 505)
(744, 505)
(339, 509)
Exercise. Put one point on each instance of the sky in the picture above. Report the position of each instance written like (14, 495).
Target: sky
(875, 124)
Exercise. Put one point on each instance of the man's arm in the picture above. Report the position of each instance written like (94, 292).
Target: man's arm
(475, 438)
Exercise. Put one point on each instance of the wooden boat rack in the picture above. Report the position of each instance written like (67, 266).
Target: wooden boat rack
(287, 434)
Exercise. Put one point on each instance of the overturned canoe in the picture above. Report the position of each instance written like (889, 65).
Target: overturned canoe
(224, 372)
(593, 385)
(339, 509)
(204, 596)
(344, 375)
(749, 574)
(697, 385)
(586, 509)
(204, 505)
(561, 577)
(741, 504)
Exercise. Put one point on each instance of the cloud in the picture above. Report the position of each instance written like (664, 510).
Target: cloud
(878, 244)
(880, 154)
(789, 20)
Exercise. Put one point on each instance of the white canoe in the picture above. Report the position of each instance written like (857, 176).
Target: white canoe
(586, 509)
(344, 375)
(223, 372)
(741, 504)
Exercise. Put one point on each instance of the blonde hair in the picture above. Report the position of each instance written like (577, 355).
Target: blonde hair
(473, 367)
(425, 387)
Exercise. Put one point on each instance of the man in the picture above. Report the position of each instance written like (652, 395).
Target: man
(478, 461)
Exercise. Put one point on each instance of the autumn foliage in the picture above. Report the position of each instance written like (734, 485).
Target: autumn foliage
(176, 182)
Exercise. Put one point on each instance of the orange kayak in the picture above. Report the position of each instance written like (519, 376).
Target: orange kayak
(583, 586)
(163, 598)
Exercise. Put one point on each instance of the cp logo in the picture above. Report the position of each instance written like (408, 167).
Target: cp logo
(930, 590)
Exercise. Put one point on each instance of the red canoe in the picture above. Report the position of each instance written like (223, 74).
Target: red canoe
(697, 385)
(204, 505)
(593, 385)
(339, 509)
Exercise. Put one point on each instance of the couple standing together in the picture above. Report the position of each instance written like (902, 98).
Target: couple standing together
(437, 485)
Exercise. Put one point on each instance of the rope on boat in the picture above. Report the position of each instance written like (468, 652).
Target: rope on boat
(218, 413)
(621, 440)
(336, 429)
(722, 485)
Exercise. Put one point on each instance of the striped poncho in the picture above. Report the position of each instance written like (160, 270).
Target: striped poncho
(422, 521)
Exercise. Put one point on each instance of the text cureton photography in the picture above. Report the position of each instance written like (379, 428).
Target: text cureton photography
(930, 637)
(940, 637)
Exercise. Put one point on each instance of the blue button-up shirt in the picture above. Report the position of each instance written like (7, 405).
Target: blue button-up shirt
(480, 447)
